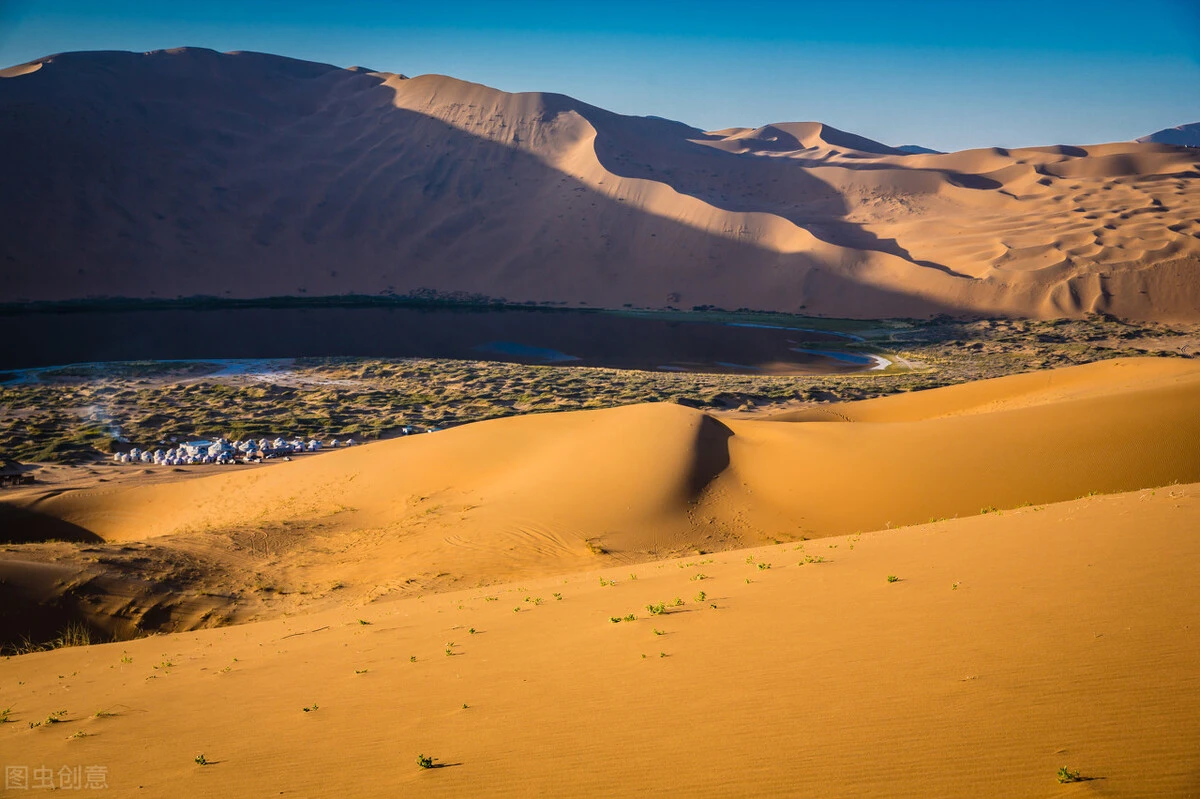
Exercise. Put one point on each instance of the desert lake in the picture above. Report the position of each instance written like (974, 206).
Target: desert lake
(531, 336)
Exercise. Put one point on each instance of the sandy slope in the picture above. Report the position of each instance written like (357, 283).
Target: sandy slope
(188, 172)
(538, 495)
(1071, 640)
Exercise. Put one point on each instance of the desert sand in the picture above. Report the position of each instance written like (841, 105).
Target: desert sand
(453, 595)
(188, 172)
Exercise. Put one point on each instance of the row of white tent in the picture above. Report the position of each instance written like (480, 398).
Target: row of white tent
(224, 451)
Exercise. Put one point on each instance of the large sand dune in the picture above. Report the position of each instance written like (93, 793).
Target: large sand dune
(188, 172)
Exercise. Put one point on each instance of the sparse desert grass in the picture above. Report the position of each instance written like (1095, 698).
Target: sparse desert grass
(311, 708)
(1065, 775)
(201, 760)
(424, 761)
(891, 578)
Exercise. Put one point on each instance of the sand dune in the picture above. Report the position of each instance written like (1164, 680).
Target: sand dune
(1180, 135)
(1011, 645)
(538, 495)
(186, 172)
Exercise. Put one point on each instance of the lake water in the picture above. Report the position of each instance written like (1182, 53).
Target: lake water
(561, 337)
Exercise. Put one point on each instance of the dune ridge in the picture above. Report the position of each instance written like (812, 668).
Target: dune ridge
(249, 175)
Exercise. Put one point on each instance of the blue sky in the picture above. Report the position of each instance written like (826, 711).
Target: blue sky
(949, 75)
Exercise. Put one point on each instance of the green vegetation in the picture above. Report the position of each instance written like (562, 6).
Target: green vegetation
(891, 578)
(1065, 775)
(311, 709)
(71, 413)
(424, 761)
(201, 760)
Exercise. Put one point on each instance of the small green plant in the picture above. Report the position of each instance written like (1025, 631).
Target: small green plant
(471, 631)
(201, 760)
(1065, 775)
(4, 715)
(464, 705)
(424, 761)
(364, 622)
(412, 659)
(311, 709)
(56, 717)
(615, 619)
(630, 617)
(657, 610)
(126, 659)
(954, 585)
(891, 578)
(699, 576)
(764, 566)
(679, 602)
(662, 654)
(361, 671)
(660, 632)
(632, 576)
(557, 595)
(516, 610)
(700, 597)
(750, 559)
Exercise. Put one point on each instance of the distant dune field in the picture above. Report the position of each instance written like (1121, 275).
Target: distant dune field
(189, 172)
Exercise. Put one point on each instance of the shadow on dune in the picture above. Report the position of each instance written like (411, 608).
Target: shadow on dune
(648, 148)
(712, 454)
(258, 176)
(22, 526)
